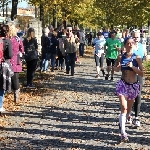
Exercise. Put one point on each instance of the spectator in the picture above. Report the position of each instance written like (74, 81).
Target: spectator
(18, 49)
(31, 55)
(45, 43)
(82, 42)
(70, 48)
(53, 49)
(6, 71)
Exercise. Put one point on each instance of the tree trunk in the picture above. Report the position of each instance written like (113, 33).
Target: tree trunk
(42, 15)
(14, 9)
(148, 27)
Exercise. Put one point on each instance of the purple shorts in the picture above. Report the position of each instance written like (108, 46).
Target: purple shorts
(129, 90)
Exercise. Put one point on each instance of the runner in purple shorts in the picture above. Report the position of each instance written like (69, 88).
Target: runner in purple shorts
(128, 87)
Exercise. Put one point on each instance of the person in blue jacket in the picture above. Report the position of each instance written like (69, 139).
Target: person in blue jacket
(98, 44)
(140, 51)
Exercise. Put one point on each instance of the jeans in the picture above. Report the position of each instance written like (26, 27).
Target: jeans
(2, 92)
(31, 67)
(70, 61)
(45, 62)
(60, 62)
(81, 49)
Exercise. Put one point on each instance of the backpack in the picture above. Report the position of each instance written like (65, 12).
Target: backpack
(1, 50)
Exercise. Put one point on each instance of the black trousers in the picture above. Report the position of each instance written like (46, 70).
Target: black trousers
(81, 49)
(31, 67)
(137, 103)
(15, 81)
(70, 61)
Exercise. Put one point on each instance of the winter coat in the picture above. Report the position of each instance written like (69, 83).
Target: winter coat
(5, 67)
(61, 45)
(45, 43)
(54, 44)
(70, 45)
(17, 48)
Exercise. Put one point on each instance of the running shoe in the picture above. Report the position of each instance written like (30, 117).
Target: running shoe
(129, 119)
(124, 138)
(106, 77)
(112, 78)
(136, 122)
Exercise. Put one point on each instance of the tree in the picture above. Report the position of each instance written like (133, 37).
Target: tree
(14, 9)
(94, 13)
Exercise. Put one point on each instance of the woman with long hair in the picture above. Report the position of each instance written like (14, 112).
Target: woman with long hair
(128, 87)
(31, 55)
(18, 50)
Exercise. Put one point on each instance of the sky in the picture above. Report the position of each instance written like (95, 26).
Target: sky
(21, 4)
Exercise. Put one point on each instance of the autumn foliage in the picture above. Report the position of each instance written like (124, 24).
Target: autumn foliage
(96, 13)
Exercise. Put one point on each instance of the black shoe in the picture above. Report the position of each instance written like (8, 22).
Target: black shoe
(106, 77)
(103, 72)
(67, 72)
(112, 78)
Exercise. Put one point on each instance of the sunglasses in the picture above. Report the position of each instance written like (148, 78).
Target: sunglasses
(69, 30)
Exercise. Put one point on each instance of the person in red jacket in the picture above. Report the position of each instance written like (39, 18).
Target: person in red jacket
(5, 66)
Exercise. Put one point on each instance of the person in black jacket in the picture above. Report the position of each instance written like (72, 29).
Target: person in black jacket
(5, 66)
(31, 55)
(54, 43)
(45, 41)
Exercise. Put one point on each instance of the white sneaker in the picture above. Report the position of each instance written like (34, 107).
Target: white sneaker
(129, 119)
(136, 122)
(2, 109)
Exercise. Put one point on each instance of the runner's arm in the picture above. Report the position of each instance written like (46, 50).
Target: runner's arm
(139, 70)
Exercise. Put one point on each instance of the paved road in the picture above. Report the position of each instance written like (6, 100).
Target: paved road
(73, 113)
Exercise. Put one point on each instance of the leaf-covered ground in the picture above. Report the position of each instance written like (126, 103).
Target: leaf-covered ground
(71, 113)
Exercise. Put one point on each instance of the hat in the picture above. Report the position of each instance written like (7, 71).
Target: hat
(69, 28)
(99, 34)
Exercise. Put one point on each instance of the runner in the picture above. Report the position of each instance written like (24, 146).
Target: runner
(99, 53)
(113, 48)
(127, 88)
(141, 51)
(105, 33)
